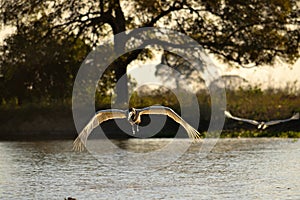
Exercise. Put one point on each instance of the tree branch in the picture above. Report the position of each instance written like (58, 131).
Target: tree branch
(174, 7)
(118, 23)
(101, 7)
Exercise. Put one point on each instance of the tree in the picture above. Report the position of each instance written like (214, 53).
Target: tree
(239, 32)
(180, 71)
(35, 69)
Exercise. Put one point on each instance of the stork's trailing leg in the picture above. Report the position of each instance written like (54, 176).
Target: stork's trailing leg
(132, 128)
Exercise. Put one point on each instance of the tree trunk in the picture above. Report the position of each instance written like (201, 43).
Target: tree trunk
(120, 67)
(118, 25)
(121, 86)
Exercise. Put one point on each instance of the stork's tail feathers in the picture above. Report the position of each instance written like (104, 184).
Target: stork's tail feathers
(295, 116)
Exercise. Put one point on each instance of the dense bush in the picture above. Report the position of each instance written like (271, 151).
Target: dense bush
(251, 102)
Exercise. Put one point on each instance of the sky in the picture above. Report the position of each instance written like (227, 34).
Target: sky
(270, 76)
(277, 76)
(5, 32)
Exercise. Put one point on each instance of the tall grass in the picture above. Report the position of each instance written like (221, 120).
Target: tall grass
(250, 102)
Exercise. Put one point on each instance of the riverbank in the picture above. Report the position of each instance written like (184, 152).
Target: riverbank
(38, 123)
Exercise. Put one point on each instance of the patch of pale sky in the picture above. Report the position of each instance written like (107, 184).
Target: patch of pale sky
(277, 76)
(5, 31)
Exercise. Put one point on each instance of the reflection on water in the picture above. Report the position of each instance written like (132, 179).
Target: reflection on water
(234, 169)
(142, 145)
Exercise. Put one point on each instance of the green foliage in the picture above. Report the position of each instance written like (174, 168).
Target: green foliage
(255, 133)
(252, 102)
(160, 96)
(41, 59)
(37, 121)
(248, 103)
(105, 95)
(36, 68)
(249, 31)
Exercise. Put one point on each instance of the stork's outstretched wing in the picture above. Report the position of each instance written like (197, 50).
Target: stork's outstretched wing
(98, 118)
(162, 110)
(228, 114)
(273, 122)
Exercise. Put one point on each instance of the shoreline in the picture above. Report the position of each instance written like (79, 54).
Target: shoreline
(57, 123)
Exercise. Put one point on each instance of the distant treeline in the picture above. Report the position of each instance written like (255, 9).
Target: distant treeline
(55, 120)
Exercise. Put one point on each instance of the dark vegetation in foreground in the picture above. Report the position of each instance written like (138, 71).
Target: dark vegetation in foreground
(55, 121)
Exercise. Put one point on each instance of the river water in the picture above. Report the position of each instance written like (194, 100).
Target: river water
(264, 168)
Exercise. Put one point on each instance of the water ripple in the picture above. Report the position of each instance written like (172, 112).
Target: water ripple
(234, 169)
